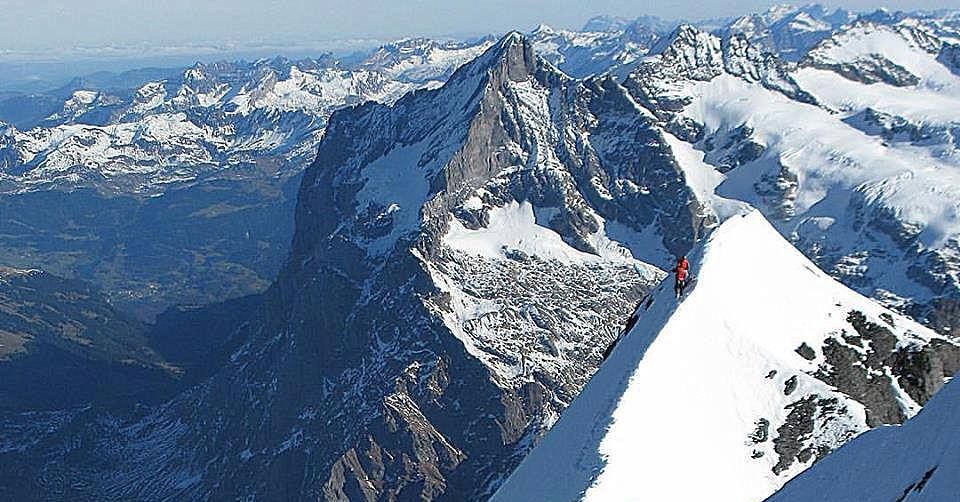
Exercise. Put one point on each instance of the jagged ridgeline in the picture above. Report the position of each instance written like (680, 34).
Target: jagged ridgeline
(463, 255)
(461, 261)
(175, 186)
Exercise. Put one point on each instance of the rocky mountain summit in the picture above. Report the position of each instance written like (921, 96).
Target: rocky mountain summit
(450, 237)
(412, 225)
(182, 189)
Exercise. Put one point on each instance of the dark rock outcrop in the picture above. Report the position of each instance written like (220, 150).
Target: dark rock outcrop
(793, 434)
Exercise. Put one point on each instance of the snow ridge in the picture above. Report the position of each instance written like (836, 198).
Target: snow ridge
(737, 365)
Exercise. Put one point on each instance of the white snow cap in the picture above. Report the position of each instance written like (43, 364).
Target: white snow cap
(668, 415)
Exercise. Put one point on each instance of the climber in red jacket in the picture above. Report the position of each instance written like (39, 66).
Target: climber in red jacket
(681, 270)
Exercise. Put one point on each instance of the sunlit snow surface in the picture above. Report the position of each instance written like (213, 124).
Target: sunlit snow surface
(828, 156)
(683, 390)
(503, 281)
(514, 228)
(842, 188)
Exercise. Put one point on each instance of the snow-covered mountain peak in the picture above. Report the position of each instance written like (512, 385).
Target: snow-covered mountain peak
(684, 35)
(690, 56)
(871, 52)
(902, 128)
(454, 223)
(215, 116)
(789, 31)
(543, 29)
(511, 39)
(595, 51)
(690, 52)
(465, 252)
(523, 155)
(423, 59)
(777, 12)
(765, 365)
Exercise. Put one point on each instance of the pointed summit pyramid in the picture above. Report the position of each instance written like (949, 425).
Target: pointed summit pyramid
(765, 365)
(461, 260)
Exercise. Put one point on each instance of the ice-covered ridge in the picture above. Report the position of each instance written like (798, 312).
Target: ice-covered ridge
(673, 414)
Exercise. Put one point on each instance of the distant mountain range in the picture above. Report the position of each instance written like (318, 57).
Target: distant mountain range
(445, 240)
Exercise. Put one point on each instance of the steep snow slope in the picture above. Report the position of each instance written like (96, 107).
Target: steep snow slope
(911, 81)
(736, 389)
(917, 462)
(821, 172)
(852, 155)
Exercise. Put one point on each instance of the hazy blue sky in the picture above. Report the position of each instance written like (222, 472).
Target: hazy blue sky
(39, 24)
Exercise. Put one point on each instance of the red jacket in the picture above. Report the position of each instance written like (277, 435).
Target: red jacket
(681, 269)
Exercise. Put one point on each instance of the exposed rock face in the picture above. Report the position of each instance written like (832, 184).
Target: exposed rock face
(799, 427)
(690, 54)
(876, 367)
(780, 386)
(462, 259)
(732, 150)
(890, 127)
(745, 60)
(505, 150)
(223, 143)
(918, 460)
(950, 57)
(868, 70)
(712, 92)
(209, 117)
(415, 346)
